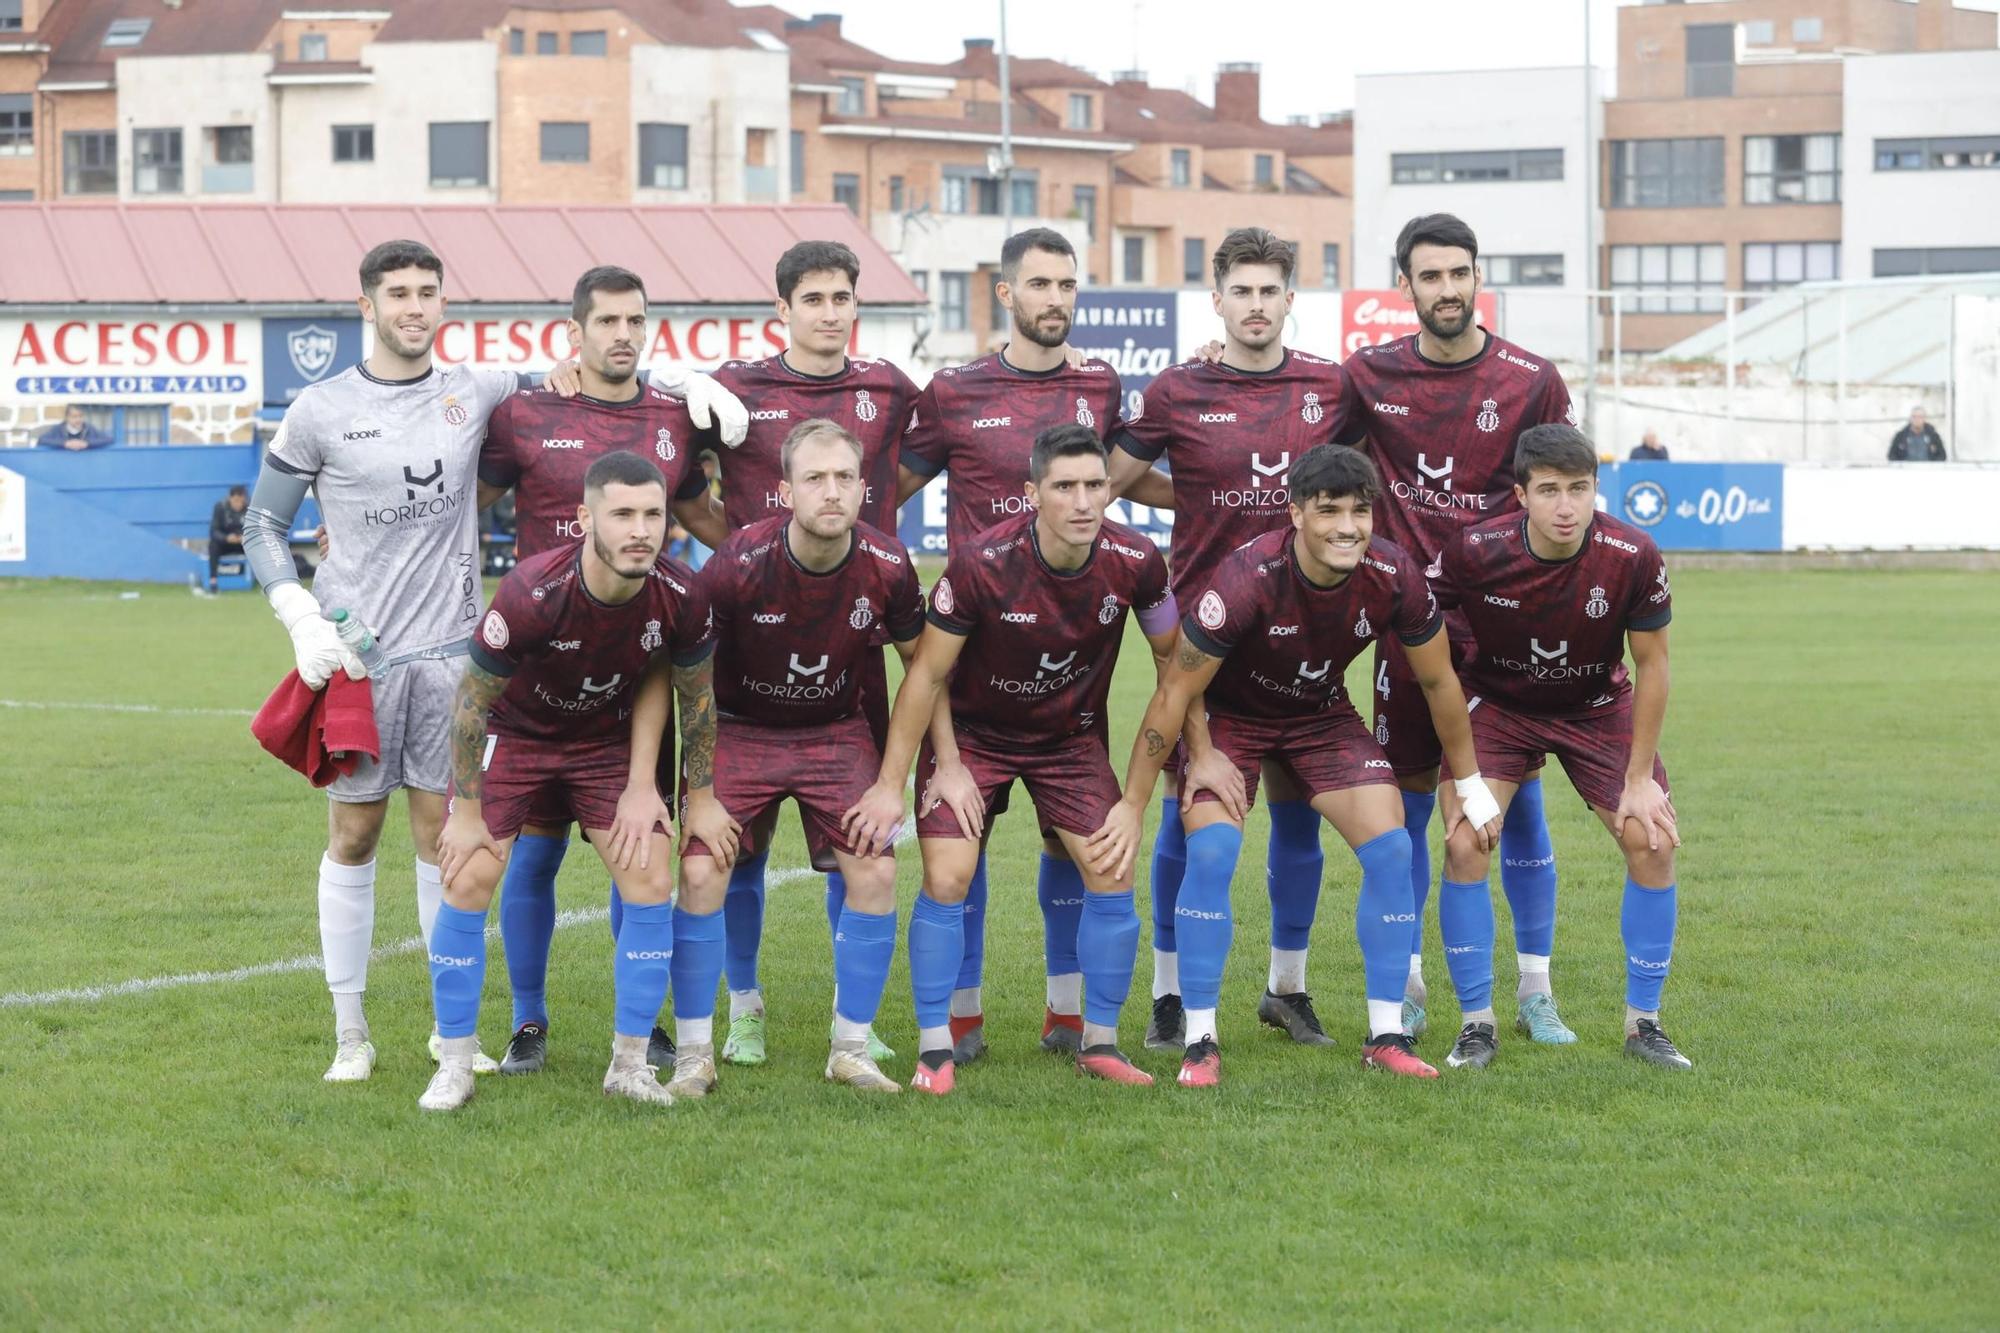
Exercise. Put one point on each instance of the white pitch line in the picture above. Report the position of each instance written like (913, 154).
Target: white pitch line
(40, 705)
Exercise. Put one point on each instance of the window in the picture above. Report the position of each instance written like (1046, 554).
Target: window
(1502, 164)
(1806, 30)
(922, 277)
(1522, 270)
(896, 194)
(517, 41)
(1758, 32)
(156, 161)
(798, 162)
(10, 15)
(1768, 265)
(1937, 154)
(1960, 259)
(953, 192)
(565, 141)
(312, 46)
(1329, 265)
(354, 143)
(1791, 169)
(1183, 167)
(130, 423)
(1678, 279)
(547, 44)
(847, 190)
(228, 164)
(588, 43)
(760, 164)
(1711, 59)
(1194, 257)
(1135, 259)
(17, 124)
(1263, 169)
(954, 300)
(458, 153)
(90, 162)
(853, 97)
(1079, 111)
(663, 158)
(17, 196)
(1084, 199)
(1665, 173)
(1026, 190)
(127, 32)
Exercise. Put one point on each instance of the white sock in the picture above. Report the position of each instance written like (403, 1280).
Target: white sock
(458, 1051)
(694, 1031)
(1416, 986)
(1200, 1023)
(848, 1032)
(1534, 975)
(1632, 1017)
(933, 1039)
(346, 931)
(628, 1050)
(1066, 993)
(965, 1003)
(1479, 1016)
(1166, 973)
(1384, 1017)
(347, 1015)
(1288, 972)
(430, 897)
(743, 1002)
(1100, 1034)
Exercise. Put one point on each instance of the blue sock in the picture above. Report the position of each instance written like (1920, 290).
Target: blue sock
(528, 921)
(836, 898)
(937, 941)
(458, 969)
(1169, 865)
(1417, 807)
(640, 966)
(1380, 911)
(1107, 942)
(1059, 889)
(743, 920)
(1465, 919)
(1202, 922)
(864, 944)
(697, 963)
(1646, 923)
(1293, 867)
(972, 959)
(617, 911)
(1528, 871)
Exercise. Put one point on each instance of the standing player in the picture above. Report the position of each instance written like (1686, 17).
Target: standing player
(1230, 429)
(540, 718)
(1440, 411)
(798, 601)
(1553, 596)
(1025, 627)
(979, 422)
(1267, 645)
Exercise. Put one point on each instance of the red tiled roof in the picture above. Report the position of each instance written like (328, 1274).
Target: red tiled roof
(145, 254)
(1177, 117)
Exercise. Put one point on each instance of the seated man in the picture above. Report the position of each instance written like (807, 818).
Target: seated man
(225, 530)
(74, 432)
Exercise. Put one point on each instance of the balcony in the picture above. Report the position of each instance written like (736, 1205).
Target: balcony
(229, 178)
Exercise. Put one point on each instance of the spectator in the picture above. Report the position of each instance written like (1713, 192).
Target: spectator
(74, 433)
(225, 530)
(1649, 449)
(1917, 442)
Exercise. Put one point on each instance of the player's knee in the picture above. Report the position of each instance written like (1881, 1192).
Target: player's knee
(871, 884)
(946, 887)
(703, 885)
(471, 889)
(1652, 867)
(352, 842)
(1463, 860)
(644, 888)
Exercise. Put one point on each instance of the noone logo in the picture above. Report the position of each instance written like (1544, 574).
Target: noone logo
(987, 423)
(1212, 417)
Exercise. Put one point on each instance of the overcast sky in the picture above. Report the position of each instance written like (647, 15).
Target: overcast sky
(1310, 50)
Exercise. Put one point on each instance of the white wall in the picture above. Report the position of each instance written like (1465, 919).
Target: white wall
(1892, 507)
(415, 83)
(1918, 95)
(1525, 108)
(191, 93)
(717, 94)
(959, 243)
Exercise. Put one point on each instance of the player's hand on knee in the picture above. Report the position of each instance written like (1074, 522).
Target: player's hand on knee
(640, 809)
(463, 837)
(870, 824)
(1209, 771)
(952, 787)
(1475, 806)
(707, 820)
(1645, 802)
(709, 402)
(1110, 849)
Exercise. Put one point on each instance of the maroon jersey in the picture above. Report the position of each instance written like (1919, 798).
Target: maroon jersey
(1285, 641)
(1230, 438)
(1443, 435)
(979, 422)
(790, 642)
(541, 444)
(872, 399)
(574, 661)
(1036, 666)
(1551, 633)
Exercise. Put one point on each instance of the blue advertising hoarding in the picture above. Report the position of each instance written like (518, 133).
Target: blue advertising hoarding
(298, 352)
(1700, 506)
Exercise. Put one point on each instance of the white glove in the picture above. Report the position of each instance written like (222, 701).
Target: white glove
(1477, 802)
(317, 649)
(708, 401)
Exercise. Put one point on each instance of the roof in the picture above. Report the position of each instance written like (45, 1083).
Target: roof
(1167, 115)
(306, 254)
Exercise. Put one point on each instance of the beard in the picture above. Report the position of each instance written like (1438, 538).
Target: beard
(1031, 330)
(392, 337)
(1448, 327)
(611, 557)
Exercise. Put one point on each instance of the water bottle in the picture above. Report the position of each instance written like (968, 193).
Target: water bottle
(356, 636)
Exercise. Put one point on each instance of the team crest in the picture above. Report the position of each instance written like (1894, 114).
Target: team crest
(311, 350)
(863, 615)
(864, 406)
(1381, 731)
(455, 414)
(1109, 611)
(1362, 629)
(941, 598)
(663, 445)
(1211, 612)
(1084, 416)
(1312, 411)
(1597, 608)
(1570, 414)
(494, 630)
(650, 640)
(1488, 419)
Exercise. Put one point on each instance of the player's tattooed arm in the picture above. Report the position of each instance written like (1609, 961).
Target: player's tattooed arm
(695, 685)
(1176, 700)
(477, 689)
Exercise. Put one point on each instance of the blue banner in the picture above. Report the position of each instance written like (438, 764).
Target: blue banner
(298, 352)
(1700, 506)
(1133, 331)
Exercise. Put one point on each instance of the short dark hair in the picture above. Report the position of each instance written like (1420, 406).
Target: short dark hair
(392, 255)
(814, 257)
(1554, 447)
(603, 278)
(1254, 245)
(1433, 229)
(809, 430)
(238, 490)
(1335, 471)
(621, 467)
(1034, 238)
(1068, 440)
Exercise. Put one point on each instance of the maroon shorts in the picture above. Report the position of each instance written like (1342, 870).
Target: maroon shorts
(1070, 782)
(550, 810)
(825, 768)
(1592, 749)
(525, 778)
(1403, 726)
(1329, 751)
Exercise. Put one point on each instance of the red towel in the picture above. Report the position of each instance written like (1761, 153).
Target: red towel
(321, 733)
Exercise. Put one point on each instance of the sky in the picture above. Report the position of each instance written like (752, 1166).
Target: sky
(1310, 50)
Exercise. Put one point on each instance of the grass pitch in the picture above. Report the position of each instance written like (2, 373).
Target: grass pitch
(173, 1159)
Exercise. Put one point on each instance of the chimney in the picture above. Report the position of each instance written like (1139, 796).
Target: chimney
(978, 46)
(1238, 96)
(1933, 25)
(1134, 77)
(827, 24)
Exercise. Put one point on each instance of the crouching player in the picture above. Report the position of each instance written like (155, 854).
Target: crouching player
(798, 603)
(541, 719)
(1268, 643)
(1553, 596)
(1030, 613)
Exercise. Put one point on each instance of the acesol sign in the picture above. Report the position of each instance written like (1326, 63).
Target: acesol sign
(527, 342)
(1368, 319)
(136, 357)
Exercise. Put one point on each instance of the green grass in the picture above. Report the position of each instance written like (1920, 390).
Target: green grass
(173, 1159)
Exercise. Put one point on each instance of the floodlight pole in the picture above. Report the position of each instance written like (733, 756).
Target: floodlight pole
(1590, 315)
(1006, 133)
